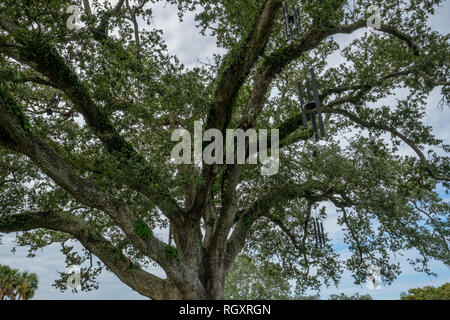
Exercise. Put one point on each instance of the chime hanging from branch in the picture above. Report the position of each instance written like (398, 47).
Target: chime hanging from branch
(312, 106)
(316, 234)
(292, 24)
(53, 103)
(319, 233)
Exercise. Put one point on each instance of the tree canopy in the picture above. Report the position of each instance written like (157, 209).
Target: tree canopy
(86, 117)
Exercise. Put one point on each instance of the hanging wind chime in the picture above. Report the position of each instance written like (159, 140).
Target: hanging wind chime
(318, 232)
(53, 103)
(292, 23)
(312, 105)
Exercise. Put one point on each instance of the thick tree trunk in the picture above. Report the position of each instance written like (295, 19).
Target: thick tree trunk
(209, 270)
(216, 288)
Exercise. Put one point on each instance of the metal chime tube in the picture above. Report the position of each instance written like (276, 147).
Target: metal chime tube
(315, 232)
(287, 28)
(314, 124)
(302, 105)
(317, 99)
(297, 22)
(308, 91)
(54, 101)
(322, 233)
(313, 116)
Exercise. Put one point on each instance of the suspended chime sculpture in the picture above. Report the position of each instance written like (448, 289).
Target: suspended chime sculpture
(291, 23)
(312, 106)
(53, 103)
(318, 232)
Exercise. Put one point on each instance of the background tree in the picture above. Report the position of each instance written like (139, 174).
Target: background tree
(248, 281)
(86, 117)
(17, 285)
(428, 293)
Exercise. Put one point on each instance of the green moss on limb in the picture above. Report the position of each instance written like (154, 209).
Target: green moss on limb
(13, 223)
(171, 253)
(142, 230)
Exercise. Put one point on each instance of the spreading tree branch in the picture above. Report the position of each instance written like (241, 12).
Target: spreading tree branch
(232, 74)
(46, 60)
(380, 126)
(143, 282)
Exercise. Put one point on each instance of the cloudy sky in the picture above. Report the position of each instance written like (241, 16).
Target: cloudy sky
(184, 40)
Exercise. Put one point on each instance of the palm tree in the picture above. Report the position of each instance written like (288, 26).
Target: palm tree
(17, 285)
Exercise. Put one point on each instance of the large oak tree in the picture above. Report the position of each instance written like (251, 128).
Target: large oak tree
(95, 165)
